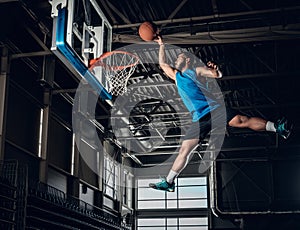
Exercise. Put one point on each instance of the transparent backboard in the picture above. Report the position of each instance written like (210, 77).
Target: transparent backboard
(86, 33)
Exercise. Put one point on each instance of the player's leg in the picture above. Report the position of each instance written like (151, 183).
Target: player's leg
(254, 123)
(184, 154)
(198, 130)
(282, 126)
(181, 161)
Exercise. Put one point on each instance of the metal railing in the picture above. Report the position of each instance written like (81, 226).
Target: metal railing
(59, 198)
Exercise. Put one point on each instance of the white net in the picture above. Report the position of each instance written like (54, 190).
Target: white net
(113, 70)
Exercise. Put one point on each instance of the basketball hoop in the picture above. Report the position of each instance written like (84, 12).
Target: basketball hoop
(113, 69)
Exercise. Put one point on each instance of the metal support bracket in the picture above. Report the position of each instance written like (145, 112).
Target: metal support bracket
(56, 4)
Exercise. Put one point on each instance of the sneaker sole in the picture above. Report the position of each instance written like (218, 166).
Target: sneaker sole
(290, 131)
(166, 190)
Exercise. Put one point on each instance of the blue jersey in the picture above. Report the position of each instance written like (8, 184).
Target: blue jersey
(194, 95)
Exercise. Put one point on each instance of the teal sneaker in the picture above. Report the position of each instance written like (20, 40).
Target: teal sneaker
(283, 127)
(163, 185)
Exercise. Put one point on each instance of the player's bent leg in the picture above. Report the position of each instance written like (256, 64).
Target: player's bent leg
(238, 121)
(254, 123)
(283, 127)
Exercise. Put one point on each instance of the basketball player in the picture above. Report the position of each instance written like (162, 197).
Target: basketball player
(193, 95)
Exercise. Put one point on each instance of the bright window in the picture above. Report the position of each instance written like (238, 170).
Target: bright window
(189, 193)
(184, 223)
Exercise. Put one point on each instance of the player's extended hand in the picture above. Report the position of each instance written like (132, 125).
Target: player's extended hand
(212, 65)
(159, 40)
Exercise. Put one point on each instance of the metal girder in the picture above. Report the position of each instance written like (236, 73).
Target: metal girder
(246, 4)
(175, 11)
(117, 116)
(261, 75)
(65, 94)
(210, 17)
(122, 16)
(214, 6)
(37, 39)
(259, 59)
(103, 2)
(26, 60)
(267, 106)
(270, 33)
(4, 69)
(170, 152)
(5, 1)
(31, 54)
(150, 137)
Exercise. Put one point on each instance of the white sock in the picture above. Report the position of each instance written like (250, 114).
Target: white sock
(171, 176)
(270, 126)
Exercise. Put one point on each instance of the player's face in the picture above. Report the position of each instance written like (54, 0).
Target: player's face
(180, 62)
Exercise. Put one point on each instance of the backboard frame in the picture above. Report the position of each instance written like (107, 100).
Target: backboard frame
(64, 34)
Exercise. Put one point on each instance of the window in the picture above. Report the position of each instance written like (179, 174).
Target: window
(180, 223)
(189, 193)
(111, 177)
(190, 197)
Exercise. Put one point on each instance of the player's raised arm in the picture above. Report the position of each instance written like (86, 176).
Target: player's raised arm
(169, 71)
(211, 70)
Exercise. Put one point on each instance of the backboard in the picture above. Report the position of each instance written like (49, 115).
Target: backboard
(81, 32)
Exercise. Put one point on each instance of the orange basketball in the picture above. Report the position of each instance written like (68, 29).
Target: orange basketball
(147, 31)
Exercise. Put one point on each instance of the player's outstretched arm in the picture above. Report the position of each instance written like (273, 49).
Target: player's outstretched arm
(211, 70)
(169, 71)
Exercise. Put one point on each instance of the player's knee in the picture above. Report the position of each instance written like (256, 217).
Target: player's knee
(238, 120)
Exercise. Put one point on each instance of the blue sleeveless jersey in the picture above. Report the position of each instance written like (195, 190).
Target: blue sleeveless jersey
(194, 95)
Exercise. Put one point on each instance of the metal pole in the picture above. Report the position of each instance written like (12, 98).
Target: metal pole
(43, 172)
(4, 68)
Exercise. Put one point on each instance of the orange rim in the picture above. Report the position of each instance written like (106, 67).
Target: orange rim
(107, 54)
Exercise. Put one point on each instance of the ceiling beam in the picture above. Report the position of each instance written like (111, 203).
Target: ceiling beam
(31, 54)
(260, 59)
(211, 17)
(111, 15)
(266, 33)
(215, 7)
(175, 11)
(15, 50)
(268, 106)
(5, 1)
(260, 75)
(170, 152)
(246, 4)
(122, 16)
(37, 39)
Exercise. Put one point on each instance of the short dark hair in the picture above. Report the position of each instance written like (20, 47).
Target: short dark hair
(190, 56)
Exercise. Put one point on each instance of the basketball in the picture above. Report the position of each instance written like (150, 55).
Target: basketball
(147, 31)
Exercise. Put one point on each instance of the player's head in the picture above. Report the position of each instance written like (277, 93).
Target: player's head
(184, 60)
